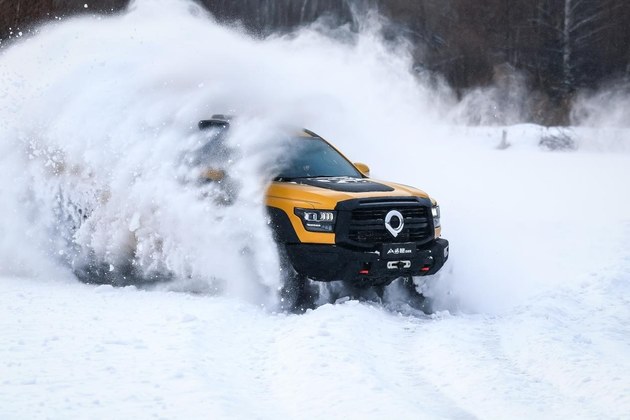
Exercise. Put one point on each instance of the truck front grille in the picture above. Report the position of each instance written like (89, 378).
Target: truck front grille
(367, 223)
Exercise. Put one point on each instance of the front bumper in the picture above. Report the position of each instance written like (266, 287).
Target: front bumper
(334, 262)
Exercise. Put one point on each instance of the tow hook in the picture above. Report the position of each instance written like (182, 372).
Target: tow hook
(397, 265)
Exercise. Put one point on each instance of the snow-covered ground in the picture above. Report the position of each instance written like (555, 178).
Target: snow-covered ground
(543, 263)
(532, 311)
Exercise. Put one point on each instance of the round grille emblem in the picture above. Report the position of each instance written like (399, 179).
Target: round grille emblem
(394, 222)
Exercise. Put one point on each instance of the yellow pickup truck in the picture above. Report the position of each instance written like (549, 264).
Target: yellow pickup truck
(333, 222)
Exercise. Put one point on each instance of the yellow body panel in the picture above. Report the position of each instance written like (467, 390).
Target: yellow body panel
(290, 195)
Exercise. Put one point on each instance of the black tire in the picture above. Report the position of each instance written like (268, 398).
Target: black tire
(95, 272)
(416, 299)
(291, 292)
(379, 290)
(297, 294)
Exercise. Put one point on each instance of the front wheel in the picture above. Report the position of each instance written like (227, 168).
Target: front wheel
(415, 298)
(297, 294)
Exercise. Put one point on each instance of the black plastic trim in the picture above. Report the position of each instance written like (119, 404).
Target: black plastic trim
(281, 226)
(344, 219)
(331, 262)
(358, 185)
(206, 124)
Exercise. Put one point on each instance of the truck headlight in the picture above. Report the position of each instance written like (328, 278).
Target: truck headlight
(435, 211)
(317, 220)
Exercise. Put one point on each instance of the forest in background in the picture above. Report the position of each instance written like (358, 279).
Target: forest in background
(550, 49)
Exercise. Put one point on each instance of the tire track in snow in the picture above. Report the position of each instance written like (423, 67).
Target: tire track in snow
(352, 360)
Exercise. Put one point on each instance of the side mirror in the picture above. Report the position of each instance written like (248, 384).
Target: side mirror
(363, 168)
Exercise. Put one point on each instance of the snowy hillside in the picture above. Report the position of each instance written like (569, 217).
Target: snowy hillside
(532, 310)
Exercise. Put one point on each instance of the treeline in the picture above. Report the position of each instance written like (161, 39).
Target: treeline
(556, 46)
(560, 45)
(21, 15)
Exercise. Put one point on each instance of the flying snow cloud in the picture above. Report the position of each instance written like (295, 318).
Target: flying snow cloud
(604, 118)
(97, 112)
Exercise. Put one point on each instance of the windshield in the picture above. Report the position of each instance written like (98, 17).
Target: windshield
(312, 158)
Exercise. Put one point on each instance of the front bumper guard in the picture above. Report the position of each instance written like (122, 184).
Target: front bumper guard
(332, 262)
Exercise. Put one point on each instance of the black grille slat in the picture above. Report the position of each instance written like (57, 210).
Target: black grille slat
(367, 223)
(371, 222)
(378, 226)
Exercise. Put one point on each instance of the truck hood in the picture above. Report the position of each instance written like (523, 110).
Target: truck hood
(325, 193)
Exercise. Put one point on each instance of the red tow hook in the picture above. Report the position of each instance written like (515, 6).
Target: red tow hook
(365, 270)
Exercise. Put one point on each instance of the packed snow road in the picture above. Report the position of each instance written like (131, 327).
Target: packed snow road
(77, 351)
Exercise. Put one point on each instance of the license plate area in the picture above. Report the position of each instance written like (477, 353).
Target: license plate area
(398, 251)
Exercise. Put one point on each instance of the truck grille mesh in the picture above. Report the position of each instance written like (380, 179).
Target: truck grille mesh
(367, 224)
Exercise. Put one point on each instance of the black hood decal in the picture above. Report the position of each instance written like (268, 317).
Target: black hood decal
(346, 184)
